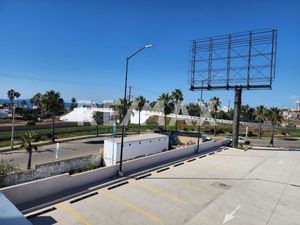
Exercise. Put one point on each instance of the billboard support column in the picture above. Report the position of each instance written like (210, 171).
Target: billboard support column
(236, 116)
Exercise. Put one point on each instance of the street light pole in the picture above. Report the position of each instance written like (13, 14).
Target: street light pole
(124, 105)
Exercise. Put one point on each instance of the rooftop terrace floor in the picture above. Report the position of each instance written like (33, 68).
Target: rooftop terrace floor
(260, 187)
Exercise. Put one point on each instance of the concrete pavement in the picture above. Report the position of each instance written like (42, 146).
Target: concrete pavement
(46, 153)
(229, 187)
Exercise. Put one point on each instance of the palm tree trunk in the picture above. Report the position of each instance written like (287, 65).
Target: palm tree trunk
(29, 159)
(139, 128)
(259, 135)
(176, 117)
(215, 125)
(272, 137)
(12, 128)
(165, 122)
(53, 129)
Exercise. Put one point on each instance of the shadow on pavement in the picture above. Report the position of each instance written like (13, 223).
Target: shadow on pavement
(42, 220)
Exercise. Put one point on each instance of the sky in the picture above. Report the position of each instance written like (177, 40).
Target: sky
(79, 47)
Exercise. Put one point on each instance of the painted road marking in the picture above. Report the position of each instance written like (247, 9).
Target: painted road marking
(129, 205)
(280, 162)
(71, 212)
(149, 188)
(175, 180)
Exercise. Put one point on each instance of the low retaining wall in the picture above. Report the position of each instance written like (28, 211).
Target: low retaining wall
(37, 190)
(53, 168)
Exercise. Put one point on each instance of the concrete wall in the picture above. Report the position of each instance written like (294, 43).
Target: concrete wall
(52, 168)
(39, 189)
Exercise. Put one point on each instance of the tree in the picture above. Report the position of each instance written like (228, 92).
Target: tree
(260, 112)
(27, 142)
(24, 104)
(215, 104)
(168, 104)
(11, 94)
(36, 101)
(274, 116)
(17, 95)
(98, 117)
(140, 104)
(119, 108)
(177, 97)
(73, 103)
(7, 167)
(54, 106)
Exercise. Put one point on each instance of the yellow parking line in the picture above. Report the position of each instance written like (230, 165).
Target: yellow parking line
(180, 182)
(71, 212)
(129, 205)
(149, 188)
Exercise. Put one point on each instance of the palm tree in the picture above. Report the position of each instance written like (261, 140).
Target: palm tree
(215, 104)
(178, 97)
(119, 108)
(140, 104)
(274, 116)
(11, 94)
(27, 142)
(98, 117)
(23, 104)
(73, 103)
(260, 112)
(17, 95)
(167, 102)
(36, 101)
(53, 105)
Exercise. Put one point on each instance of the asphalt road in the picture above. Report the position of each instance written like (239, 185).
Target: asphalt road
(47, 153)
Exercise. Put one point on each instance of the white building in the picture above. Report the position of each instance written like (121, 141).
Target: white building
(134, 147)
(85, 115)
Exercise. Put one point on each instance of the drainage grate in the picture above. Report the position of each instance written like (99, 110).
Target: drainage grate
(117, 185)
(41, 212)
(144, 176)
(221, 185)
(83, 197)
(211, 153)
(202, 156)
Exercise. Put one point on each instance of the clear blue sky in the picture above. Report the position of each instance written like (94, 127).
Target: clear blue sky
(79, 47)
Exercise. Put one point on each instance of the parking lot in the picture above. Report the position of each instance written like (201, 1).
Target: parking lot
(228, 187)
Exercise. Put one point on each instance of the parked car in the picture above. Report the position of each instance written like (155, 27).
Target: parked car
(205, 138)
(240, 141)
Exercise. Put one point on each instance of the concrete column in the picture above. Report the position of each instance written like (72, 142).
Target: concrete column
(236, 116)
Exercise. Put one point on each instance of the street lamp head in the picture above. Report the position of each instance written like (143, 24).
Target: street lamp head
(149, 46)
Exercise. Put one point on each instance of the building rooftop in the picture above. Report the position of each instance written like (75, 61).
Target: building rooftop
(224, 187)
(139, 137)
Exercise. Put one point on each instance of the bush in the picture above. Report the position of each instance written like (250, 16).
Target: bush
(7, 167)
(31, 123)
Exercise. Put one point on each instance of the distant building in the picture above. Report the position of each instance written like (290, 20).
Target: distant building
(85, 115)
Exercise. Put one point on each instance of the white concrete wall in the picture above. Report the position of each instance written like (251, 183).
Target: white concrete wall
(39, 189)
